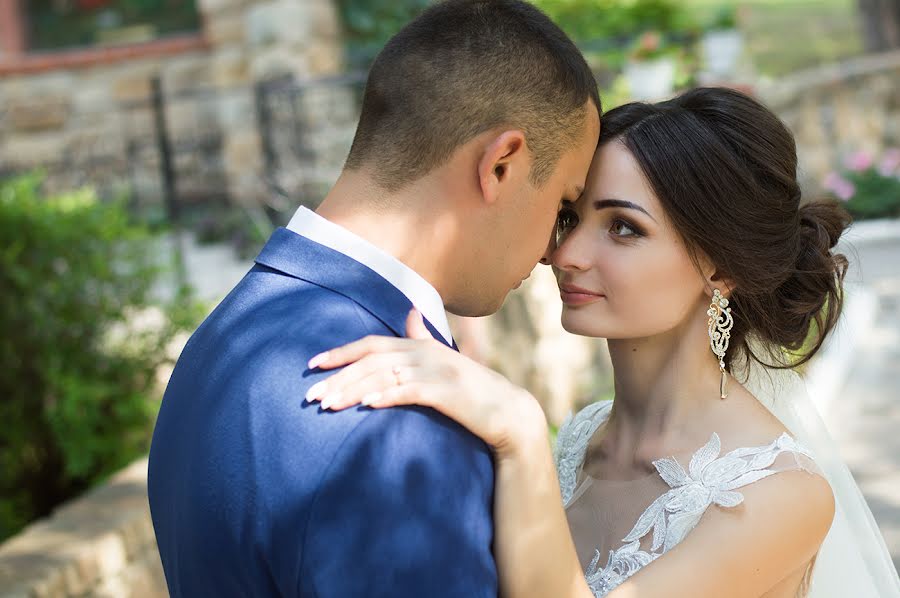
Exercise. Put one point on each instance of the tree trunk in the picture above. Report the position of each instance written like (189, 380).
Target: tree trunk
(880, 24)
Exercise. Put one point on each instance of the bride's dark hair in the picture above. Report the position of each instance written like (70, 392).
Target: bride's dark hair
(724, 168)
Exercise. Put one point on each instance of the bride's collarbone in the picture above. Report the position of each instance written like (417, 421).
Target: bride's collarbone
(743, 423)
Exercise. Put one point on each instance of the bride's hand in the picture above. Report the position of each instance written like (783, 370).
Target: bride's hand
(388, 371)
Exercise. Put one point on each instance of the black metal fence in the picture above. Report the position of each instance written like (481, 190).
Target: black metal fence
(306, 129)
(167, 151)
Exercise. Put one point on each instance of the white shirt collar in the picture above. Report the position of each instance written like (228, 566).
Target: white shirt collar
(418, 290)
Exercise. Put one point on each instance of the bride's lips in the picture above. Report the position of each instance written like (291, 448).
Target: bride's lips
(573, 295)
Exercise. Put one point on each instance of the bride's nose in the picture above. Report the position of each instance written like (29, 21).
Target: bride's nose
(569, 255)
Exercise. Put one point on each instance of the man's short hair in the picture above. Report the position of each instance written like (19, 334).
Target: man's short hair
(463, 67)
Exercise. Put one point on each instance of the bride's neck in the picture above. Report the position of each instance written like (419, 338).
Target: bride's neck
(662, 383)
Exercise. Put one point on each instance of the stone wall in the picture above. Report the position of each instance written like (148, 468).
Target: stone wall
(77, 111)
(98, 546)
(838, 109)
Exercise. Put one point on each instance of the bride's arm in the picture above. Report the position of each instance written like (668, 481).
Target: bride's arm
(533, 548)
(743, 552)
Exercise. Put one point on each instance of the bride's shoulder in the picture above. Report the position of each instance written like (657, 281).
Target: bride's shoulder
(780, 525)
(575, 432)
(742, 421)
(584, 423)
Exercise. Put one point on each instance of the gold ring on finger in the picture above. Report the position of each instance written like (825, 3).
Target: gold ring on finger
(396, 372)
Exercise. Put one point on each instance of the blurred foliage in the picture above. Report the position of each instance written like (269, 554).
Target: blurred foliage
(724, 17)
(782, 35)
(868, 184)
(649, 46)
(876, 197)
(608, 30)
(54, 24)
(230, 225)
(369, 24)
(82, 342)
(601, 26)
(618, 21)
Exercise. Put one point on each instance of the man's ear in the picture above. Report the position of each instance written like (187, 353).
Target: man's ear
(505, 158)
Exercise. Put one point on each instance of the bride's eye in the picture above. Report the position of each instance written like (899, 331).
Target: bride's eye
(622, 228)
(566, 220)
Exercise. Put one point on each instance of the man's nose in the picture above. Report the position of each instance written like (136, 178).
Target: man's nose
(551, 247)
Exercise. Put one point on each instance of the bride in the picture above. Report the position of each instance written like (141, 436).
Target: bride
(690, 251)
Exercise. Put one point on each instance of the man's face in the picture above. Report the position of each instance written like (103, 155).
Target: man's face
(519, 235)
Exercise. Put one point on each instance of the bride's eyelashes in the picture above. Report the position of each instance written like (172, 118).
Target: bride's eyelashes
(566, 220)
(620, 227)
(625, 229)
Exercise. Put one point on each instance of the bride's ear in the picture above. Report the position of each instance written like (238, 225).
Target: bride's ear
(717, 281)
(714, 278)
(505, 159)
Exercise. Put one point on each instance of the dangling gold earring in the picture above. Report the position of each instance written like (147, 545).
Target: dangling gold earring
(720, 323)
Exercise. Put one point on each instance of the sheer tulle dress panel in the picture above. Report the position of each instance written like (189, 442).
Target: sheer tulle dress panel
(620, 526)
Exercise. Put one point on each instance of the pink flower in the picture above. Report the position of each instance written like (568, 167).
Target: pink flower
(859, 162)
(650, 41)
(890, 162)
(841, 187)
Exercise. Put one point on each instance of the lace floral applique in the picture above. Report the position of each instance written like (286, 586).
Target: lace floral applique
(710, 479)
(622, 564)
(572, 441)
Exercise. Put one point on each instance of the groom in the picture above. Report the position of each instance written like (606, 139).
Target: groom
(478, 119)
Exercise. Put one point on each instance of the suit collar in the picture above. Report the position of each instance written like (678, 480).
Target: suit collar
(307, 260)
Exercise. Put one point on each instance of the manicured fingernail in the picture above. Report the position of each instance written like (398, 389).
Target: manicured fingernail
(316, 391)
(317, 360)
(372, 397)
(330, 400)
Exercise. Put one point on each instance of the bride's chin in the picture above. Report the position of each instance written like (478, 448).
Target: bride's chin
(583, 325)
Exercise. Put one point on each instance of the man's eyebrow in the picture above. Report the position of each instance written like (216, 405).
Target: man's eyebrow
(600, 204)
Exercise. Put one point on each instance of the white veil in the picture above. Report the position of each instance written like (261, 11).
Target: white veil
(854, 559)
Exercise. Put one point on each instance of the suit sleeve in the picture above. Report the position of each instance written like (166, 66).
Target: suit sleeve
(405, 510)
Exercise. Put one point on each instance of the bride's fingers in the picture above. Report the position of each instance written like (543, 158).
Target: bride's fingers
(377, 382)
(355, 351)
(438, 397)
(365, 367)
(413, 393)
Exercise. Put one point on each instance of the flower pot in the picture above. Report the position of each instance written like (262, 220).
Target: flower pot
(651, 79)
(722, 50)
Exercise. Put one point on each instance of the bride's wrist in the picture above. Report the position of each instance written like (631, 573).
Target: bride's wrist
(528, 428)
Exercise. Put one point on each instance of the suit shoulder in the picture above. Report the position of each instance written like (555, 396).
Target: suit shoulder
(398, 445)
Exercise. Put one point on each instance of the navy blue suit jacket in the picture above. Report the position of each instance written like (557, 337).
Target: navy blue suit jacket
(255, 492)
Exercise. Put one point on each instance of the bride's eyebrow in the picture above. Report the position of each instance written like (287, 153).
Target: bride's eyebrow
(600, 204)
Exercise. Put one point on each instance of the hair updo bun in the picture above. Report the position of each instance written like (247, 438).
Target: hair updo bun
(724, 168)
(813, 291)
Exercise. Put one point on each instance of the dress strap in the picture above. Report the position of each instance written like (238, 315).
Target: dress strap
(572, 441)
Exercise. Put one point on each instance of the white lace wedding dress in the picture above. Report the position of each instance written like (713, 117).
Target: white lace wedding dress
(621, 526)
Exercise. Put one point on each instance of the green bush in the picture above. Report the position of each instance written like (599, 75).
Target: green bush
(868, 184)
(618, 21)
(369, 24)
(604, 28)
(78, 359)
